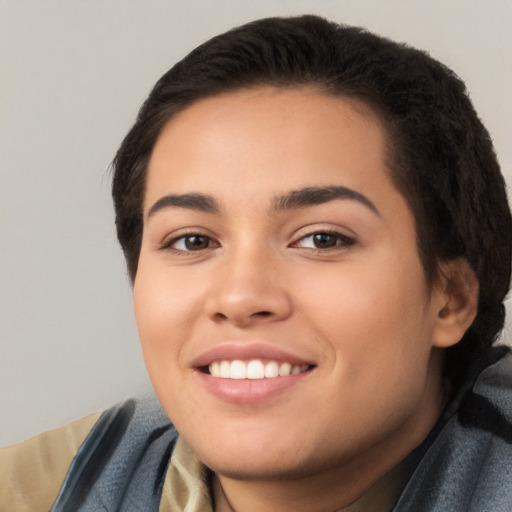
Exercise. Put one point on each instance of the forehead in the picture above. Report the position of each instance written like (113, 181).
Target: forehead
(254, 140)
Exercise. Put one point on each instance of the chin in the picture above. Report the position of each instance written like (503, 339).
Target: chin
(265, 470)
(268, 459)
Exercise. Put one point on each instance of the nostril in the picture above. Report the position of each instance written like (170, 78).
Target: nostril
(263, 313)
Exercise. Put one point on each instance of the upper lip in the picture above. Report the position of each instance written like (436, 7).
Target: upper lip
(247, 351)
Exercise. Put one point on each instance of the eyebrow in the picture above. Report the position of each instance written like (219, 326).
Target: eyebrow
(311, 196)
(195, 201)
(295, 199)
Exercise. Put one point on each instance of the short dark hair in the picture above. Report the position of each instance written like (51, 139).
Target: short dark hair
(440, 158)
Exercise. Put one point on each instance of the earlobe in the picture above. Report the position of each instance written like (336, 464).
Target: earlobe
(457, 302)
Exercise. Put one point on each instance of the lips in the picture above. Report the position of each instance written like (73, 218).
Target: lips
(249, 373)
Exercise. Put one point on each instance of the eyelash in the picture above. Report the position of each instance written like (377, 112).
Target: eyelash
(168, 245)
(341, 242)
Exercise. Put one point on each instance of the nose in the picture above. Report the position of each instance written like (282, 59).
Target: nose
(248, 291)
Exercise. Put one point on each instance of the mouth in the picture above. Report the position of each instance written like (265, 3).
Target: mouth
(251, 373)
(254, 369)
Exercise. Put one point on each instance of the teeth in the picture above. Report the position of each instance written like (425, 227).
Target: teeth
(295, 369)
(285, 369)
(224, 369)
(254, 369)
(271, 370)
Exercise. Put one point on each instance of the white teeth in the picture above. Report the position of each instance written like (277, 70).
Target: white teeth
(296, 369)
(254, 369)
(271, 370)
(285, 369)
(224, 370)
(238, 370)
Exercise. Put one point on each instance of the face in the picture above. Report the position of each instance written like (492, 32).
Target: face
(282, 306)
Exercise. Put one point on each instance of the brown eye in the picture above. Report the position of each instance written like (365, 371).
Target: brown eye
(190, 243)
(196, 242)
(324, 240)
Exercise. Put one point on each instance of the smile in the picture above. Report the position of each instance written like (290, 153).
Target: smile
(253, 369)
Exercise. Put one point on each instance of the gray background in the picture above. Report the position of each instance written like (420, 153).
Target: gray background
(72, 76)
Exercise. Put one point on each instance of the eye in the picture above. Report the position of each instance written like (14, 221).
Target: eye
(191, 242)
(324, 240)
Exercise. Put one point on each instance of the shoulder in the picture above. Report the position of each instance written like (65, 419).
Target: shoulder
(32, 472)
(466, 463)
(122, 463)
(91, 464)
(487, 406)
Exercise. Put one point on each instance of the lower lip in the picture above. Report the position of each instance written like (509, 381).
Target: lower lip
(249, 390)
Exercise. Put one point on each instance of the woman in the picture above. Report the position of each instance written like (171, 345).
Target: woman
(319, 239)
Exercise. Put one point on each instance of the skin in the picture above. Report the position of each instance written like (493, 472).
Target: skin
(359, 311)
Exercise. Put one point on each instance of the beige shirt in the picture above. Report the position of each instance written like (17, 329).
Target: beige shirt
(32, 473)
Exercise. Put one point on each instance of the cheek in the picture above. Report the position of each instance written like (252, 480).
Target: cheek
(164, 307)
(164, 310)
(372, 314)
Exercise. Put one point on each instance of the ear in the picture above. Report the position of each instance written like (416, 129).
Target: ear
(455, 299)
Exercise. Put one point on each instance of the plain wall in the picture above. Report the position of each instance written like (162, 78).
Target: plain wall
(73, 74)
